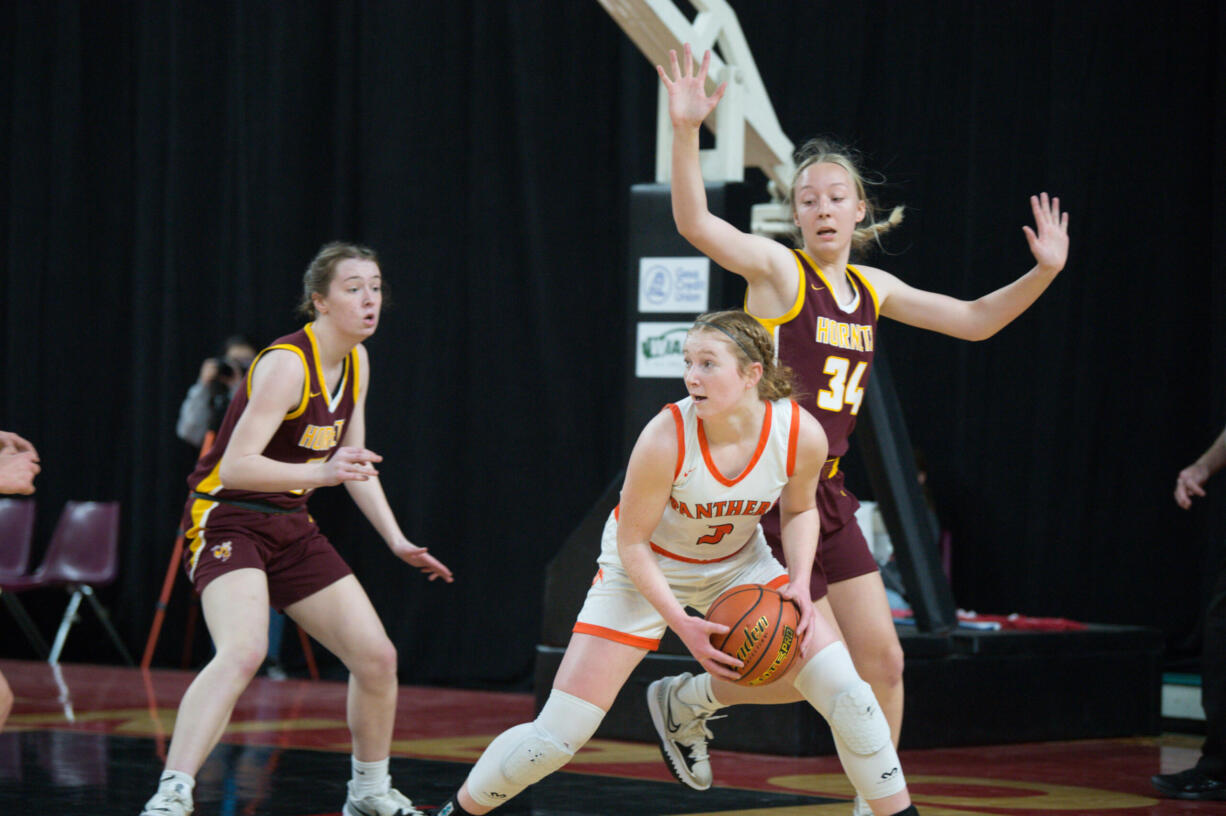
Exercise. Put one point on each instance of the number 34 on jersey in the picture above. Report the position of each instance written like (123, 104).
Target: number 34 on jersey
(844, 387)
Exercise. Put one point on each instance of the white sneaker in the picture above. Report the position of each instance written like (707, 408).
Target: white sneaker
(173, 801)
(861, 808)
(679, 725)
(391, 803)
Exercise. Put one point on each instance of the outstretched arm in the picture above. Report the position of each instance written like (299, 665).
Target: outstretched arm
(1191, 480)
(761, 261)
(368, 495)
(982, 318)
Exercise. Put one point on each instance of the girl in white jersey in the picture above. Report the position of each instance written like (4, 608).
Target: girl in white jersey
(738, 445)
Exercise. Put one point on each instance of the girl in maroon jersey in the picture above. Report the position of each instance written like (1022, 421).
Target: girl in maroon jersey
(252, 542)
(824, 314)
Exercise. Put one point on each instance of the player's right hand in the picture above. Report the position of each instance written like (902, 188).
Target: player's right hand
(696, 634)
(688, 103)
(350, 465)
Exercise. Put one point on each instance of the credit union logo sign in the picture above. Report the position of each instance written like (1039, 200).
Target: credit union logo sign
(674, 284)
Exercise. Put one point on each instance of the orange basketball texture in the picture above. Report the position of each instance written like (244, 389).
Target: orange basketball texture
(762, 631)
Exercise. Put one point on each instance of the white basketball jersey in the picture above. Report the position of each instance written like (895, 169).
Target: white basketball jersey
(709, 516)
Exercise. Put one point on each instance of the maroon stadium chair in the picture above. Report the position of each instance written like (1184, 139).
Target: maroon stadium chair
(83, 554)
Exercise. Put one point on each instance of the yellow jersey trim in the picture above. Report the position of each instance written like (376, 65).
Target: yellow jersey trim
(353, 365)
(856, 275)
(306, 383)
(772, 323)
(868, 287)
(210, 484)
(319, 369)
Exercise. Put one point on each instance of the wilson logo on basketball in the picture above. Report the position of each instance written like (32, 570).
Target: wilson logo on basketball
(223, 551)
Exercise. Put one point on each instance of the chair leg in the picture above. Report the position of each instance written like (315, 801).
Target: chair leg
(25, 624)
(65, 698)
(70, 617)
(106, 622)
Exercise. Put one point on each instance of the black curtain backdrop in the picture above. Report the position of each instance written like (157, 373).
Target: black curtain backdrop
(170, 167)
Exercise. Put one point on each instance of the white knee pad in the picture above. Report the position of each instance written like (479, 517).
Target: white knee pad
(861, 734)
(529, 752)
(858, 719)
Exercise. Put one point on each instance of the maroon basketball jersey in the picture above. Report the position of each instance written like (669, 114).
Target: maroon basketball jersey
(829, 347)
(309, 433)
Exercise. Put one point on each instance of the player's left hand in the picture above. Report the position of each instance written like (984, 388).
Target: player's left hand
(420, 558)
(1190, 483)
(17, 472)
(1049, 245)
(805, 630)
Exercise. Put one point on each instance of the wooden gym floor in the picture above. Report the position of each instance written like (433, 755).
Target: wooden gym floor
(90, 740)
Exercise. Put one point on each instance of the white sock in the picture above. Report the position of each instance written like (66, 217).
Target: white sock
(697, 692)
(370, 778)
(177, 782)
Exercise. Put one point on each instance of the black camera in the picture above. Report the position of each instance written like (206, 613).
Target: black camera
(224, 368)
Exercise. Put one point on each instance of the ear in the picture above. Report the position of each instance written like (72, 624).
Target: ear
(861, 210)
(753, 375)
(318, 301)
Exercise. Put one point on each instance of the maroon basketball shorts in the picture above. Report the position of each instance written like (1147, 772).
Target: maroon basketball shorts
(842, 551)
(288, 547)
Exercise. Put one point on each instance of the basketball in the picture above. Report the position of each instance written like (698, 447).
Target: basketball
(762, 631)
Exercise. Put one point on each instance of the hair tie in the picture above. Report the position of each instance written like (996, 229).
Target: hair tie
(731, 337)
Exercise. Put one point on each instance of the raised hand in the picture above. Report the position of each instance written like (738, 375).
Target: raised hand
(1050, 245)
(688, 103)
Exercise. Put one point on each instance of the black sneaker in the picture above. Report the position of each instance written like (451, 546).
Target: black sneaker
(682, 732)
(1190, 784)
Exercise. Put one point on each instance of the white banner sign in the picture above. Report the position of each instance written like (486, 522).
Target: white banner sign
(657, 349)
(674, 284)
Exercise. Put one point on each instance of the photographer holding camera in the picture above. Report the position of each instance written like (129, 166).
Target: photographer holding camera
(208, 398)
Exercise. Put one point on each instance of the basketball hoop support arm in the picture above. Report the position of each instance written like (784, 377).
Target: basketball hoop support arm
(747, 132)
